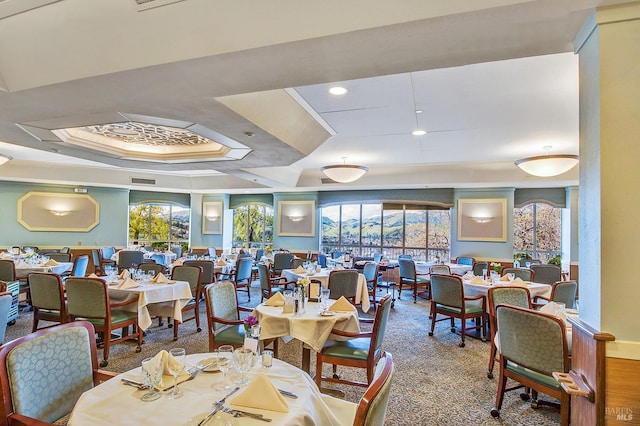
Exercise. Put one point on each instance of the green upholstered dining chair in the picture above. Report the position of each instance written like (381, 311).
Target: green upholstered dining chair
(7, 270)
(6, 300)
(447, 299)
(241, 275)
(561, 292)
(465, 260)
(43, 374)
(547, 274)
(343, 283)
(208, 270)
(478, 267)
(224, 325)
(409, 278)
(47, 298)
(373, 276)
(129, 259)
(156, 268)
(269, 285)
(514, 296)
(361, 350)
(533, 345)
(524, 274)
(296, 261)
(440, 269)
(281, 261)
(88, 300)
(192, 275)
(61, 257)
(372, 407)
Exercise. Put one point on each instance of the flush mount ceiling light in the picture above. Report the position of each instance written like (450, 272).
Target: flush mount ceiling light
(418, 133)
(338, 90)
(4, 159)
(548, 165)
(344, 173)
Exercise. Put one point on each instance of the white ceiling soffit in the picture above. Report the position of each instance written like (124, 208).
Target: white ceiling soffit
(152, 4)
(14, 7)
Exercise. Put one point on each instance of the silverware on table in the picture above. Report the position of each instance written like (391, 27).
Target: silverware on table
(219, 405)
(240, 413)
(287, 393)
(134, 383)
(192, 375)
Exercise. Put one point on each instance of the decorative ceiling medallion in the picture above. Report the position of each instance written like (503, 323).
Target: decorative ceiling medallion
(148, 134)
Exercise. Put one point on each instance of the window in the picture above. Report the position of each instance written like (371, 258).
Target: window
(159, 225)
(253, 226)
(537, 231)
(391, 229)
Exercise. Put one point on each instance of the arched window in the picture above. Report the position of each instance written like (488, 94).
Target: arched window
(537, 231)
(253, 226)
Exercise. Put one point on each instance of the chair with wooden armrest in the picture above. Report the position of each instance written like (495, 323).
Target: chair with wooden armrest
(362, 350)
(61, 257)
(409, 278)
(373, 276)
(296, 261)
(533, 345)
(514, 296)
(372, 407)
(447, 298)
(47, 298)
(88, 300)
(224, 325)
(281, 261)
(130, 259)
(465, 260)
(80, 265)
(440, 269)
(561, 292)
(523, 273)
(479, 267)
(241, 275)
(43, 374)
(547, 274)
(6, 300)
(156, 268)
(269, 285)
(192, 275)
(343, 283)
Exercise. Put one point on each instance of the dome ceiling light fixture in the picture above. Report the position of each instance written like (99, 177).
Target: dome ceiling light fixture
(548, 165)
(344, 173)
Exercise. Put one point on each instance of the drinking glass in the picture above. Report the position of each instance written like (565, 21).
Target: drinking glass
(527, 264)
(324, 297)
(512, 276)
(224, 355)
(243, 360)
(175, 367)
(151, 375)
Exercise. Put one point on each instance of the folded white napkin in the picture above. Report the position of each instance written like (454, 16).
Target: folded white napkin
(554, 309)
(343, 305)
(124, 274)
(221, 262)
(477, 280)
(51, 262)
(178, 262)
(505, 278)
(518, 282)
(167, 379)
(92, 275)
(160, 279)
(299, 270)
(276, 299)
(128, 283)
(261, 394)
(468, 275)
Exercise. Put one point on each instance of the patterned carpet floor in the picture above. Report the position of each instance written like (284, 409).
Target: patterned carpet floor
(436, 382)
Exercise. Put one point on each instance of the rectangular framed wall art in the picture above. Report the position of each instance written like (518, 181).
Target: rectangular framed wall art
(483, 219)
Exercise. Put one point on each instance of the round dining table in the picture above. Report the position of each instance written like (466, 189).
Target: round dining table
(115, 403)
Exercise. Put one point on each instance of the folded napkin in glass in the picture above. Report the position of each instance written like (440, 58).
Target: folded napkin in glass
(261, 394)
(167, 378)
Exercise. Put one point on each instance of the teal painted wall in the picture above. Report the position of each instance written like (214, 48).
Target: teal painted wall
(111, 231)
(296, 243)
(200, 240)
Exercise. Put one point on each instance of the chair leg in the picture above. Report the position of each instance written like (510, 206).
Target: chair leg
(175, 329)
(492, 359)
(35, 322)
(463, 330)
(318, 370)
(106, 339)
(502, 385)
(335, 371)
(198, 328)
(433, 318)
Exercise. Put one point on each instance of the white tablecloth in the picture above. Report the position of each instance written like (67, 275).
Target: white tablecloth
(113, 403)
(23, 270)
(362, 293)
(422, 268)
(535, 289)
(166, 300)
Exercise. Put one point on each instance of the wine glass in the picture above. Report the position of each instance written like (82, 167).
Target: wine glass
(243, 360)
(224, 355)
(152, 370)
(324, 297)
(176, 367)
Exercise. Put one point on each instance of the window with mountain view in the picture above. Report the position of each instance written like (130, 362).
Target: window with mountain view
(391, 229)
(253, 226)
(537, 231)
(159, 225)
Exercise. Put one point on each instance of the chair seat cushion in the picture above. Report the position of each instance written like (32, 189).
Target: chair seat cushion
(469, 309)
(233, 335)
(355, 349)
(419, 280)
(49, 315)
(117, 317)
(533, 375)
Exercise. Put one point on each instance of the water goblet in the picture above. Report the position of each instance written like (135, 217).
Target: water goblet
(243, 360)
(527, 264)
(324, 297)
(151, 375)
(512, 276)
(223, 356)
(176, 367)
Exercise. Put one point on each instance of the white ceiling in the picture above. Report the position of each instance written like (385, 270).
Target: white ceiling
(496, 82)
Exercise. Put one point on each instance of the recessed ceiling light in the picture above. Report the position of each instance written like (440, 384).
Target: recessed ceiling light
(418, 133)
(418, 111)
(337, 90)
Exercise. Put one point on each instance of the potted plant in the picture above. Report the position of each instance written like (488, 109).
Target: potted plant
(556, 260)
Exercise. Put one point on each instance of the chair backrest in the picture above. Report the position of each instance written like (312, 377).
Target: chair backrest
(60, 257)
(281, 261)
(191, 274)
(48, 251)
(47, 291)
(478, 267)
(222, 302)
(565, 292)
(404, 256)
(95, 259)
(514, 296)
(155, 267)
(523, 273)
(243, 269)
(7, 270)
(107, 252)
(532, 339)
(43, 374)
(6, 299)
(263, 276)
(296, 261)
(322, 260)
(465, 260)
(377, 257)
(177, 250)
(88, 298)
(159, 258)
(129, 258)
(447, 290)
(547, 274)
(80, 266)
(407, 269)
(208, 270)
(259, 254)
(380, 325)
(440, 269)
(337, 254)
(372, 407)
(343, 283)
(370, 271)
(211, 251)
(65, 250)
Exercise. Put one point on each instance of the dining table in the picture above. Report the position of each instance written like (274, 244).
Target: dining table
(152, 299)
(23, 269)
(423, 268)
(535, 289)
(115, 403)
(311, 327)
(362, 292)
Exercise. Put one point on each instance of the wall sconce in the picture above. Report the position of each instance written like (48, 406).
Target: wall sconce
(213, 217)
(59, 212)
(296, 218)
(481, 219)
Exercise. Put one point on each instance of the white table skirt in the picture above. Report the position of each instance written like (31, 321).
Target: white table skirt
(535, 289)
(166, 300)
(113, 403)
(362, 293)
(61, 268)
(422, 268)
